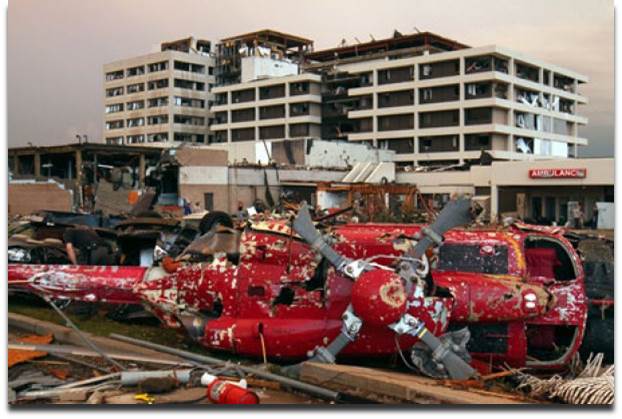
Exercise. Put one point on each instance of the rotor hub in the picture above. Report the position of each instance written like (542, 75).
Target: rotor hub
(379, 297)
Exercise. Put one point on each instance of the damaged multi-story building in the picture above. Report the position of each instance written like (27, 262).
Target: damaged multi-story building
(432, 100)
(160, 97)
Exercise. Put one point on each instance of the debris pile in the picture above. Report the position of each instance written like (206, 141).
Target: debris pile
(594, 384)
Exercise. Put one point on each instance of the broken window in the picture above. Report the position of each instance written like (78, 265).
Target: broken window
(114, 140)
(524, 145)
(114, 124)
(400, 98)
(157, 119)
(439, 69)
(158, 101)
(298, 109)
(135, 71)
(476, 258)
(399, 145)
(396, 75)
(478, 64)
(188, 84)
(439, 119)
(114, 91)
(527, 72)
(396, 122)
(485, 90)
(157, 137)
(566, 106)
(189, 102)
(135, 139)
(299, 88)
(527, 97)
(116, 107)
(135, 88)
(366, 79)
(114, 75)
(527, 120)
(563, 83)
(160, 66)
(135, 122)
(440, 94)
(157, 84)
(135, 105)
(188, 120)
(485, 63)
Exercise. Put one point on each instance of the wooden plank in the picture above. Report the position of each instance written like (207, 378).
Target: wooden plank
(67, 335)
(402, 387)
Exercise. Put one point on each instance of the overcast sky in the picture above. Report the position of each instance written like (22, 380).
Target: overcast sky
(56, 49)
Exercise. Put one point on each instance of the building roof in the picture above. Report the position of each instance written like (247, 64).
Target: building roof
(398, 41)
(72, 147)
(288, 40)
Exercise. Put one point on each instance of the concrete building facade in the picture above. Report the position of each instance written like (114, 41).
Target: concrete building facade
(445, 108)
(268, 109)
(434, 101)
(160, 97)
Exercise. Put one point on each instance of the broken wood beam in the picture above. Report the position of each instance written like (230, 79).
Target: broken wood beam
(395, 387)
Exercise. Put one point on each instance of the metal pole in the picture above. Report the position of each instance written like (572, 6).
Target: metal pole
(298, 385)
(83, 336)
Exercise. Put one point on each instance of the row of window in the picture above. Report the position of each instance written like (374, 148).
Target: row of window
(449, 68)
(156, 103)
(155, 138)
(437, 144)
(156, 85)
(436, 119)
(155, 120)
(266, 133)
(156, 67)
(266, 112)
(265, 93)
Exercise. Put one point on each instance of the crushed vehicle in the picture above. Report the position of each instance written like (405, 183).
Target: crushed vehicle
(38, 238)
(450, 299)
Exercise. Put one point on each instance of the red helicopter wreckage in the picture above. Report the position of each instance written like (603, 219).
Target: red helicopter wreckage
(450, 301)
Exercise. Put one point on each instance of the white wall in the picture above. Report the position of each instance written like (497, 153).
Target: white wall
(343, 154)
(263, 67)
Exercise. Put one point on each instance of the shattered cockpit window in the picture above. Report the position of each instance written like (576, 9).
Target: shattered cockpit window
(488, 259)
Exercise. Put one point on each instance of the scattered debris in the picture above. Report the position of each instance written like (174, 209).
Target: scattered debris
(593, 385)
(16, 356)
